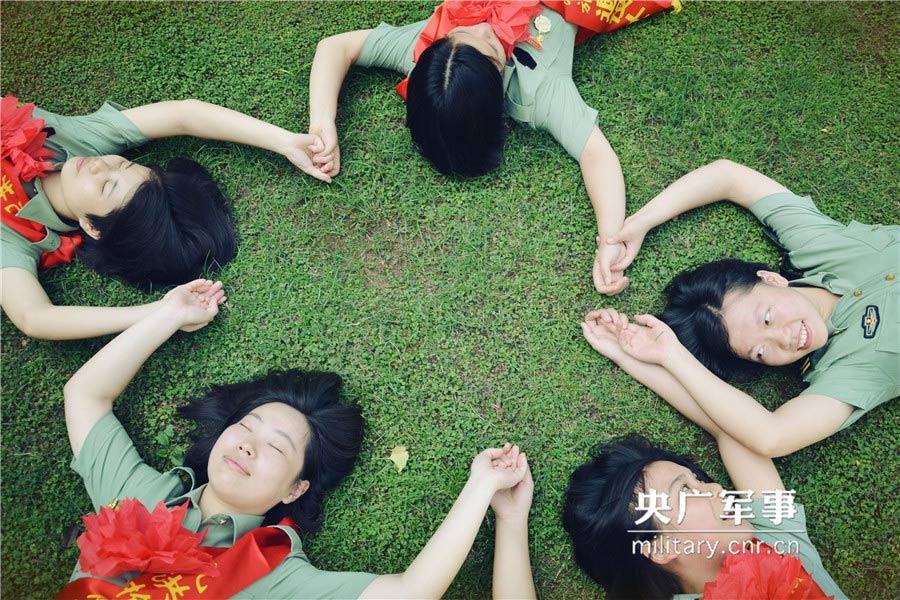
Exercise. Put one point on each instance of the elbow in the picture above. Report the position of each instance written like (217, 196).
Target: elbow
(31, 324)
(772, 445)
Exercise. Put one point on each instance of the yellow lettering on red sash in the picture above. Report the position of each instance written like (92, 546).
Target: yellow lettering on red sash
(585, 6)
(6, 188)
(635, 17)
(200, 588)
(132, 590)
(170, 583)
(96, 597)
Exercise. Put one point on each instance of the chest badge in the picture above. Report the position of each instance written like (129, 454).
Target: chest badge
(542, 24)
(870, 322)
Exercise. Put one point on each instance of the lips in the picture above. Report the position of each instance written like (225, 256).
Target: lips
(234, 465)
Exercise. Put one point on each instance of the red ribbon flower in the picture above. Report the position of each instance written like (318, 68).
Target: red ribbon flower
(763, 576)
(130, 538)
(22, 139)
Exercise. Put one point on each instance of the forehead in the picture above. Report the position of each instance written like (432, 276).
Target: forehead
(285, 418)
(659, 475)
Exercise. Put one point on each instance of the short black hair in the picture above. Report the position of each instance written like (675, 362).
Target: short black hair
(600, 509)
(454, 109)
(336, 431)
(694, 312)
(176, 225)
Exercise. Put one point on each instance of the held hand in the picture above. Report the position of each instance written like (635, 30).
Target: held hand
(301, 150)
(651, 341)
(499, 468)
(632, 236)
(515, 502)
(327, 155)
(601, 329)
(195, 304)
(607, 281)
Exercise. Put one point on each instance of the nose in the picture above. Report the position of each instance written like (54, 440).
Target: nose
(246, 448)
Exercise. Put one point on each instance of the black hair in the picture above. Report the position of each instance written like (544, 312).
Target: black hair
(176, 224)
(454, 109)
(694, 312)
(600, 510)
(336, 430)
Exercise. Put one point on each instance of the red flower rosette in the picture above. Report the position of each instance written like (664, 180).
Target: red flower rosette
(130, 538)
(22, 139)
(763, 576)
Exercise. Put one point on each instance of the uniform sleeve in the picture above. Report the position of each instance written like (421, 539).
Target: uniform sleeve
(106, 131)
(863, 386)
(17, 253)
(559, 109)
(794, 219)
(112, 468)
(296, 578)
(391, 47)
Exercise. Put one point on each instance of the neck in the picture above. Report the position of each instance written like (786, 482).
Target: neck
(696, 575)
(822, 299)
(52, 186)
(210, 505)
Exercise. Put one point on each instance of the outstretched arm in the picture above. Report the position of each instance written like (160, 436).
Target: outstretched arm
(512, 564)
(431, 573)
(27, 305)
(748, 470)
(605, 186)
(720, 180)
(334, 57)
(796, 424)
(90, 393)
(210, 121)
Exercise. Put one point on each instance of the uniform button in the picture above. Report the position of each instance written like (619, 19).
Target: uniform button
(890, 276)
(222, 521)
(857, 293)
(875, 227)
(821, 272)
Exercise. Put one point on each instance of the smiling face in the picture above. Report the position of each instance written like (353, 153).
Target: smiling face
(482, 38)
(772, 323)
(256, 463)
(98, 185)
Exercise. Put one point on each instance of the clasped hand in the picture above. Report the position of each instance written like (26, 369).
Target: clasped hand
(648, 340)
(194, 304)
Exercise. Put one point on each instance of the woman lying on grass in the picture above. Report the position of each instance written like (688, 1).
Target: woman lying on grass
(469, 65)
(646, 523)
(64, 184)
(264, 450)
(729, 319)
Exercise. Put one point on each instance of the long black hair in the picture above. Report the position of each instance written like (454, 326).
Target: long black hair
(600, 510)
(176, 225)
(694, 312)
(336, 430)
(454, 109)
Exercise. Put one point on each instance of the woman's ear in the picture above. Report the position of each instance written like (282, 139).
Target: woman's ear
(658, 552)
(88, 227)
(298, 490)
(772, 278)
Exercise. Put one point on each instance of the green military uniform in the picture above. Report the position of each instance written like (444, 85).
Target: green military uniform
(106, 131)
(789, 536)
(860, 363)
(113, 469)
(544, 97)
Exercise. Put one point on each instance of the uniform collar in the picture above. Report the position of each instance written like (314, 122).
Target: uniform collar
(222, 529)
(39, 210)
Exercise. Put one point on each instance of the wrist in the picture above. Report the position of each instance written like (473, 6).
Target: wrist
(677, 358)
(511, 521)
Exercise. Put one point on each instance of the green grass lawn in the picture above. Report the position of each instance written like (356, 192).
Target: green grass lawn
(451, 308)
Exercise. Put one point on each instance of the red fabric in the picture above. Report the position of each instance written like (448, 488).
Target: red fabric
(22, 155)
(226, 572)
(603, 16)
(508, 18)
(766, 575)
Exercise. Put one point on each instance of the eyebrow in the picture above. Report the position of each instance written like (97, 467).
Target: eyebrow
(116, 184)
(276, 430)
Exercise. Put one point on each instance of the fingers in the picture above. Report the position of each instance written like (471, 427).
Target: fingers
(648, 320)
(625, 261)
(317, 173)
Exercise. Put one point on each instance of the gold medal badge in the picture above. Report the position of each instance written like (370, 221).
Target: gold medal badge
(543, 25)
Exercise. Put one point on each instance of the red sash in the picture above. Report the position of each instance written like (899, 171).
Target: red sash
(510, 18)
(22, 159)
(603, 16)
(251, 558)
